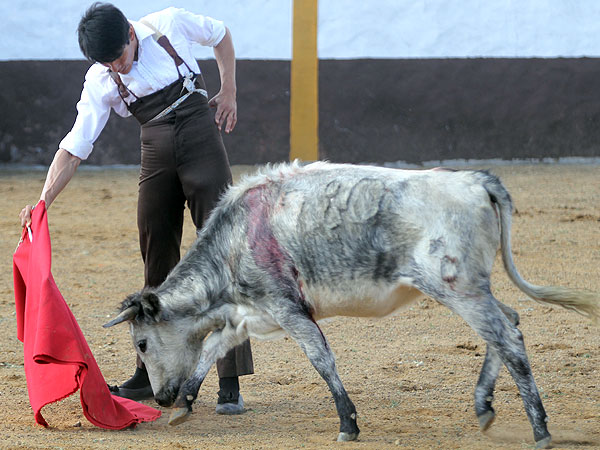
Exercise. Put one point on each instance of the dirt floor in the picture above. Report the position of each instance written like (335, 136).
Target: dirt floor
(411, 376)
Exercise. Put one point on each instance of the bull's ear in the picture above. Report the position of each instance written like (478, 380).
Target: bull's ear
(127, 314)
(150, 306)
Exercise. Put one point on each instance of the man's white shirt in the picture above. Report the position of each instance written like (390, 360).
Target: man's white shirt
(153, 70)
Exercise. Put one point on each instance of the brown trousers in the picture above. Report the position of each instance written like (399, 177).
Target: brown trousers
(183, 161)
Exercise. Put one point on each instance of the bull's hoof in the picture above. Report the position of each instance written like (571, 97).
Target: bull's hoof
(179, 415)
(345, 437)
(544, 443)
(486, 420)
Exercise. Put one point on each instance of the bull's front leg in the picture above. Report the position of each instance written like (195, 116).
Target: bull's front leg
(188, 392)
(215, 346)
(314, 344)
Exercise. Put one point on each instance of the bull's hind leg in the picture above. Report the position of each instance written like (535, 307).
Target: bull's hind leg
(314, 344)
(484, 392)
(486, 318)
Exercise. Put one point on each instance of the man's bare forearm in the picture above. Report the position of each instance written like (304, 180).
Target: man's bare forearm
(61, 171)
(225, 56)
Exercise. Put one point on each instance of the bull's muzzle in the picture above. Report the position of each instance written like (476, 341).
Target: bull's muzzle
(167, 395)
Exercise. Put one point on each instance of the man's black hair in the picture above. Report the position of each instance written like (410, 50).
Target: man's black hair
(103, 33)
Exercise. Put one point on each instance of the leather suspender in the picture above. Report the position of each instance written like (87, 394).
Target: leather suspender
(123, 91)
(163, 41)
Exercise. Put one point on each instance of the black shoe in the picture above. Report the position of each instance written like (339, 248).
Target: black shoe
(138, 394)
(136, 388)
(230, 400)
(230, 407)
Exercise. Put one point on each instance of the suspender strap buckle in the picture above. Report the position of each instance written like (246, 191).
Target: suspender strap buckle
(188, 84)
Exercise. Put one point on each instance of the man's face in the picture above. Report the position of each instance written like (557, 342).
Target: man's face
(124, 63)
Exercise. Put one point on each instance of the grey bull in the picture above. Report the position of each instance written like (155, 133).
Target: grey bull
(293, 245)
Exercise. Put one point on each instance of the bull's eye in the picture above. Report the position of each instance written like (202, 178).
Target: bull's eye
(142, 345)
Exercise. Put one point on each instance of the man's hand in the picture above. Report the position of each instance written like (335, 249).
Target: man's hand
(25, 216)
(226, 113)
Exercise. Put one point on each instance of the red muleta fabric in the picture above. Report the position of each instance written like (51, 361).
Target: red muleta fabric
(58, 360)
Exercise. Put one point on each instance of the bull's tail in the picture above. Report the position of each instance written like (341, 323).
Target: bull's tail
(583, 302)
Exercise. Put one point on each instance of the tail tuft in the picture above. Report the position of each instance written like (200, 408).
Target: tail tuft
(586, 303)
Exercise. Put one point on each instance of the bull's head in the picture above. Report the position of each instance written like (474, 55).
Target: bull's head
(169, 347)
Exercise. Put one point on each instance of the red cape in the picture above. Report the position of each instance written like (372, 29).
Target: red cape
(58, 360)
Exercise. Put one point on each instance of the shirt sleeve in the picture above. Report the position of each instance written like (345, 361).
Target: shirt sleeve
(198, 28)
(93, 111)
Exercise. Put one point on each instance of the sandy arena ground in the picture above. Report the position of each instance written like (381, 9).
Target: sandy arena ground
(411, 376)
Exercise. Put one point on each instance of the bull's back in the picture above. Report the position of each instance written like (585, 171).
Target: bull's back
(348, 219)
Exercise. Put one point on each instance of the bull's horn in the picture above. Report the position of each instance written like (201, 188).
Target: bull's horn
(127, 314)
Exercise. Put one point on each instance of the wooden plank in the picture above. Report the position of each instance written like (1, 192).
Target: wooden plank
(304, 85)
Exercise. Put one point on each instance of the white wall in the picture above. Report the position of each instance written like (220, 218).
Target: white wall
(459, 28)
(38, 29)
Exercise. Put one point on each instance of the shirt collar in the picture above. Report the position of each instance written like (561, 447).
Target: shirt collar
(141, 30)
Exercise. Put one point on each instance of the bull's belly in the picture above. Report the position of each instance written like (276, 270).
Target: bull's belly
(360, 300)
(375, 301)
